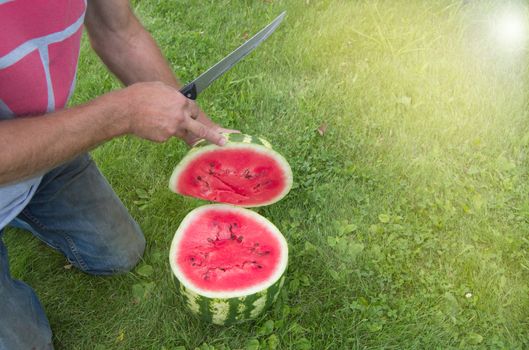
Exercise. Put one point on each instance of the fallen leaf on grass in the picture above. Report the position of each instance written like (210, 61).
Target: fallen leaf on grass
(245, 35)
(68, 266)
(322, 129)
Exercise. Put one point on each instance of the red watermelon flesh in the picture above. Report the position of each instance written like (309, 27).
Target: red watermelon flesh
(243, 176)
(222, 250)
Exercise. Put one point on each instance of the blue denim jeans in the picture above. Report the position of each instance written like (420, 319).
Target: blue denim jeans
(76, 212)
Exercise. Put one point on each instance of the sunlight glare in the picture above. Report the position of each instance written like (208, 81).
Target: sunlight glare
(511, 30)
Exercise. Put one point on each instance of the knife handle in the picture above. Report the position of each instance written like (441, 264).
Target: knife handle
(189, 91)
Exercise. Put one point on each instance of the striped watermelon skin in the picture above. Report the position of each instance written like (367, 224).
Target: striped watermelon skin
(225, 312)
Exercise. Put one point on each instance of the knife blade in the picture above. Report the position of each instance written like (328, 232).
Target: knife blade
(198, 85)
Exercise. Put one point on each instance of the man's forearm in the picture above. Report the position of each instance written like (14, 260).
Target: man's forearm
(33, 145)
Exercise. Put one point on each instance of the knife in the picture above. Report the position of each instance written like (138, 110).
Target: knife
(198, 85)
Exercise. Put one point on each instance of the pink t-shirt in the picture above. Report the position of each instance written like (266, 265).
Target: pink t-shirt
(39, 50)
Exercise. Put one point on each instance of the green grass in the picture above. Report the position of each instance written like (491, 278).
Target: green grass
(416, 195)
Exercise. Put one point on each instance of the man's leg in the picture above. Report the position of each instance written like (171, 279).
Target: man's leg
(23, 323)
(76, 211)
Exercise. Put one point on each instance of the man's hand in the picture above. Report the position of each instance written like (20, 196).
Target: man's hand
(191, 139)
(156, 111)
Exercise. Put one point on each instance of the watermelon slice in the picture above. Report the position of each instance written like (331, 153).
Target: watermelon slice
(246, 172)
(229, 262)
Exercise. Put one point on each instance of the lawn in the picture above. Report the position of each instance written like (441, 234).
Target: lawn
(408, 224)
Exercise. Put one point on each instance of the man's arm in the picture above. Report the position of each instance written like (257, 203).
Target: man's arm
(154, 111)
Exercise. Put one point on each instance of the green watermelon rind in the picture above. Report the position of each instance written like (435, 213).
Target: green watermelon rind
(236, 141)
(227, 311)
(224, 308)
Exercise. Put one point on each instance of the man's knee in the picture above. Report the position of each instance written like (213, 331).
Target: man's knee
(119, 256)
(129, 255)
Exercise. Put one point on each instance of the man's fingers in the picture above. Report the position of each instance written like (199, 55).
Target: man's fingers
(203, 132)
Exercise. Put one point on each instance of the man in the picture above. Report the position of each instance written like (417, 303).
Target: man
(48, 183)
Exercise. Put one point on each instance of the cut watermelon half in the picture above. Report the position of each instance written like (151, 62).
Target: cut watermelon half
(246, 172)
(229, 262)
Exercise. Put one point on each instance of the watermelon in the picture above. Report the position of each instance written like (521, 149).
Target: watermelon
(246, 172)
(229, 263)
